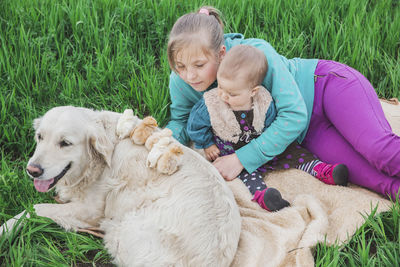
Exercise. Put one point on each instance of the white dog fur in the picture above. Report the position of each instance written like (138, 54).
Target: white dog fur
(189, 218)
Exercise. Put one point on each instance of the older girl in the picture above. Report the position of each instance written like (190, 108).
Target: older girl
(328, 107)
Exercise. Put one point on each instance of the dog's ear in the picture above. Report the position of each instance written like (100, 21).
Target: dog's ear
(100, 143)
(36, 123)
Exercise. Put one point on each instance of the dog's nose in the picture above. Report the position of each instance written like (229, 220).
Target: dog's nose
(34, 170)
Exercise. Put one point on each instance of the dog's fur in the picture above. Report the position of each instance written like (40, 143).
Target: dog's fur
(189, 218)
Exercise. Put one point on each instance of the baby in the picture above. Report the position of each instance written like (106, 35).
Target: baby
(239, 110)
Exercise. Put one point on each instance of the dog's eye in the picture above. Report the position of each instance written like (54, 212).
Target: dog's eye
(39, 137)
(64, 143)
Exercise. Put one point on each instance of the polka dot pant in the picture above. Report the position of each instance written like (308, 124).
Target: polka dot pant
(253, 181)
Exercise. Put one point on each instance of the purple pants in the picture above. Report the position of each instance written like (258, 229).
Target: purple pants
(348, 126)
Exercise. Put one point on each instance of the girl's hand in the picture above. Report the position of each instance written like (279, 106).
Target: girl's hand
(229, 166)
(212, 152)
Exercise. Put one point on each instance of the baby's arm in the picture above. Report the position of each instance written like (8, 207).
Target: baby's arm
(199, 126)
(199, 130)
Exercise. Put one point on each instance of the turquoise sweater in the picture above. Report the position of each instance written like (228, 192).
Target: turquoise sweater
(291, 84)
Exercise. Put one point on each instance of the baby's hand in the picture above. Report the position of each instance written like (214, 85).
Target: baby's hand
(212, 152)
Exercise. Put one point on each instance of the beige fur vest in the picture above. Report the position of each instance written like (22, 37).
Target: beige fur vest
(223, 120)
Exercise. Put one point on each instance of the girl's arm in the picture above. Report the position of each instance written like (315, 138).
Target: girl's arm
(183, 98)
(291, 117)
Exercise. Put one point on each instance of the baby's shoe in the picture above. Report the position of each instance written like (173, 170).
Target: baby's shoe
(333, 174)
(270, 199)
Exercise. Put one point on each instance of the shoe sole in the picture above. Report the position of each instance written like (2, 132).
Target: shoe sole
(340, 175)
(274, 199)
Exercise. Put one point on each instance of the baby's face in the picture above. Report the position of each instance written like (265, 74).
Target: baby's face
(236, 93)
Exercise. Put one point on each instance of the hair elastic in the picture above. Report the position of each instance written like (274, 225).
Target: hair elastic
(204, 11)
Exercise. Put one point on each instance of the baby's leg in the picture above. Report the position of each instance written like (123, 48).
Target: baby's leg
(268, 198)
(254, 181)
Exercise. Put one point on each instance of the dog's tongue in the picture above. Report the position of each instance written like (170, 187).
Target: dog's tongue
(42, 185)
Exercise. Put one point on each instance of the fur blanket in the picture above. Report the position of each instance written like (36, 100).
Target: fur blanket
(318, 213)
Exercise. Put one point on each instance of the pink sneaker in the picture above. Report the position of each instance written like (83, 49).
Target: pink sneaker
(337, 174)
(270, 199)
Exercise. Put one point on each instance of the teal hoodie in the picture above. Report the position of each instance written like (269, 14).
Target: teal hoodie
(291, 84)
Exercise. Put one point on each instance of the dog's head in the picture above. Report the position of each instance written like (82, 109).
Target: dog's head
(69, 140)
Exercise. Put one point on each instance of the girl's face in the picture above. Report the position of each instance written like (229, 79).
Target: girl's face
(196, 68)
(236, 93)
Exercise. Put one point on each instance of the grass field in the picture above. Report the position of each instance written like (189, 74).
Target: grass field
(111, 54)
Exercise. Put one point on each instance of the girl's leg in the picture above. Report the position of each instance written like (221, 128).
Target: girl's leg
(346, 99)
(348, 126)
(332, 147)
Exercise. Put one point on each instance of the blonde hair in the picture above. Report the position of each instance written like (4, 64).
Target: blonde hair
(191, 25)
(244, 61)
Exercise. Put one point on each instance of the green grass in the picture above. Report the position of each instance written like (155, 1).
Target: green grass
(111, 54)
(376, 243)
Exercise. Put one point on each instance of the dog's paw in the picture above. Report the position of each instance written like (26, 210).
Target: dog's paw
(169, 162)
(143, 130)
(156, 136)
(126, 123)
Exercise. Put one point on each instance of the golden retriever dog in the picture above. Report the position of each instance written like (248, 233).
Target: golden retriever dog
(188, 218)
